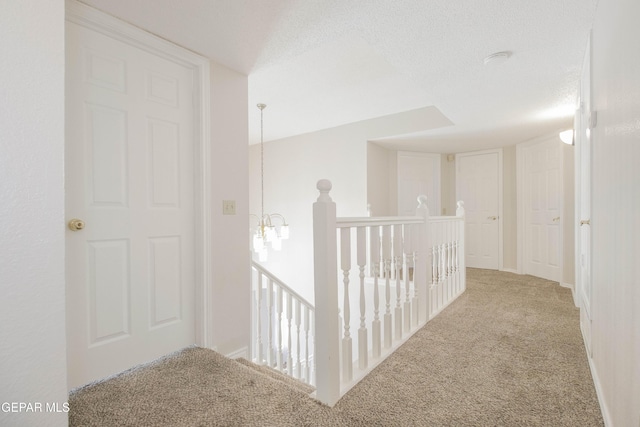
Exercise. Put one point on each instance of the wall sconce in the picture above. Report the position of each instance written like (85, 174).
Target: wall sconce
(567, 137)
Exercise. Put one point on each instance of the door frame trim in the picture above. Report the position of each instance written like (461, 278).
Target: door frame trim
(520, 201)
(500, 196)
(112, 27)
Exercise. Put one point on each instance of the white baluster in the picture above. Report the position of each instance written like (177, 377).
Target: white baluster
(307, 361)
(436, 262)
(386, 258)
(397, 252)
(408, 268)
(434, 251)
(461, 249)
(450, 259)
(441, 285)
(381, 269)
(327, 339)
(313, 375)
(440, 267)
(298, 367)
(270, 349)
(451, 228)
(440, 253)
(415, 230)
(456, 268)
(279, 327)
(289, 334)
(374, 238)
(361, 248)
(423, 270)
(436, 265)
(260, 356)
(345, 252)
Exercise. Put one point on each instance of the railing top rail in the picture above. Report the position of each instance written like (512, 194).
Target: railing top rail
(280, 283)
(445, 218)
(346, 222)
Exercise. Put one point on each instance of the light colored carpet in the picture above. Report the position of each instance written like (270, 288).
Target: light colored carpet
(508, 352)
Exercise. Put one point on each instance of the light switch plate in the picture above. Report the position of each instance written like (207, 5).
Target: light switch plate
(228, 207)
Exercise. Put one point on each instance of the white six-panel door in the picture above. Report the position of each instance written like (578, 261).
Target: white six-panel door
(130, 178)
(542, 194)
(479, 184)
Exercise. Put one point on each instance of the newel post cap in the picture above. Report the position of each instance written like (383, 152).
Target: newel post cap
(324, 186)
(460, 209)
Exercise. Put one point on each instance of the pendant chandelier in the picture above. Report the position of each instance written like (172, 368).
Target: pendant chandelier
(266, 232)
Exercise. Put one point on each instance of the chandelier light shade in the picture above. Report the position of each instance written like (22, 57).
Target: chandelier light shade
(265, 231)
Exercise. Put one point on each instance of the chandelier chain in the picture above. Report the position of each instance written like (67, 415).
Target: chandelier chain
(261, 106)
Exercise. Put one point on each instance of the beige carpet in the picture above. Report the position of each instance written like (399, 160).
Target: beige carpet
(508, 352)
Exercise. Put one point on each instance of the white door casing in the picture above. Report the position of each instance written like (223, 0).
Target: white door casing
(418, 174)
(583, 206)
(479, 186)
(540, 184)
(135, 175)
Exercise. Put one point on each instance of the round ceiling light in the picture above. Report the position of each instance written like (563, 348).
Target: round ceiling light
(497, 58)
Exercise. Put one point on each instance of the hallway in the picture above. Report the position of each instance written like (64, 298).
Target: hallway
(507, 352)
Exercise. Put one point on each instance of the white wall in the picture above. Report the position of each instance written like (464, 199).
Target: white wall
(292, 167)
(615, 219)
(32, 306)
(230, 236)
(378, 180)
(448, 184)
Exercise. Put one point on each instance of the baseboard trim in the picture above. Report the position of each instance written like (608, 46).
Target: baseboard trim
(241, 352)
(510, 270)
(573, 291)
(604, 410)
(566, 285)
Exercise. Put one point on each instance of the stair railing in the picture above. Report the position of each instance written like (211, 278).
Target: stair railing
(416, 267)
(282, 326)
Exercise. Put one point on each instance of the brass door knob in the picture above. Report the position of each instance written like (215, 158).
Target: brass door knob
(585, 222)
(492, 218)
(76, 224)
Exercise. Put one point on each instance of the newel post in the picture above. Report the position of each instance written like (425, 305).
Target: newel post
(461, 249)
(326, 297)
(423, 262)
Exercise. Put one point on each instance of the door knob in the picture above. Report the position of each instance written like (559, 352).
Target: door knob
(76, 224)
(556, 219)
(492, 218)
(585, 222)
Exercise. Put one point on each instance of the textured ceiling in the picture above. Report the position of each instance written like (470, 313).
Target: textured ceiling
(321, 64)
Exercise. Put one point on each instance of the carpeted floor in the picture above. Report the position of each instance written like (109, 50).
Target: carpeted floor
(508, 352)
